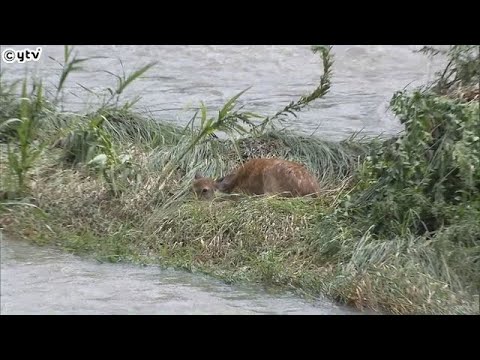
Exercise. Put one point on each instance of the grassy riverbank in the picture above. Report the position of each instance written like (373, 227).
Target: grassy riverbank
(396, 229)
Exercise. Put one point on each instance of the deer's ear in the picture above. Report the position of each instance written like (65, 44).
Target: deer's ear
(225, 184)
(198, 175)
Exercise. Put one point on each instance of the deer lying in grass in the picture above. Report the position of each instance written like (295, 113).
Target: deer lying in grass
(261, 176)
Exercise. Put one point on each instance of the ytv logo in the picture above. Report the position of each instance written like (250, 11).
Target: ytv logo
(21, 56)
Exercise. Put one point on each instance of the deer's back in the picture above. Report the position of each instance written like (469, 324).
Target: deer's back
(272, 176)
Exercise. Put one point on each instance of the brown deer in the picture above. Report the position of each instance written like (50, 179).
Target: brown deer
(261, 176)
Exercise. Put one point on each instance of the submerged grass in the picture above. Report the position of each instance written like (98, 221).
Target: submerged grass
(396, 228)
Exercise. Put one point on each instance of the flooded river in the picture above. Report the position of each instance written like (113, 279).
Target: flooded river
(44, 280)
(364, 79)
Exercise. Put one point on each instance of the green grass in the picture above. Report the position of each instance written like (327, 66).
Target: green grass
(296, 244)
(288, 244)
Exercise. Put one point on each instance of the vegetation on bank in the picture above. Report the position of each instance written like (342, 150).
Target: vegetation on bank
(397, 228)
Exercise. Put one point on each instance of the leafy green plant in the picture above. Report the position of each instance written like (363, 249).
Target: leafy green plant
(122, 83)
(321, 90)
(8, 106)
(22, 156)
(69, 65)
(434, 164)
(91, 144)
(462, 68)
